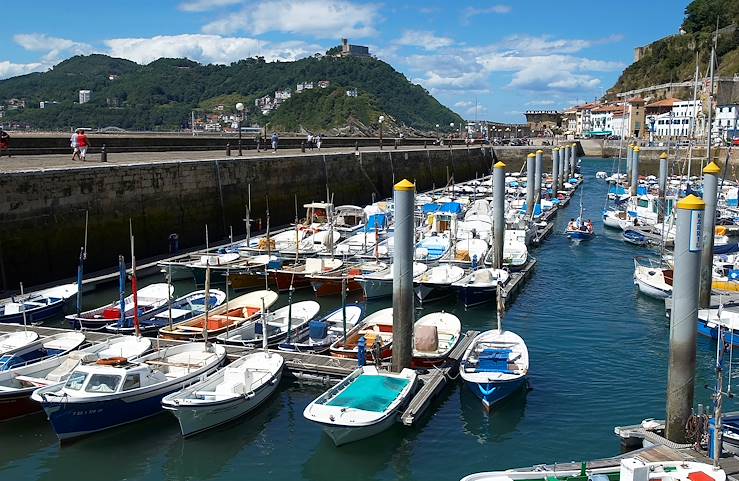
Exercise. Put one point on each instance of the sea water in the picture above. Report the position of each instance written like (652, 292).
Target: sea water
(598, 359)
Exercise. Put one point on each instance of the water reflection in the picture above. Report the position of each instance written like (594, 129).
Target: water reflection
(494, 426)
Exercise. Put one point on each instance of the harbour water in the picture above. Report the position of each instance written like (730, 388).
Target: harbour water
(598, 359)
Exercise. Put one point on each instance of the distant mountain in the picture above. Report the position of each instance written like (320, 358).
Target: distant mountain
(162, 94)
(672, 59)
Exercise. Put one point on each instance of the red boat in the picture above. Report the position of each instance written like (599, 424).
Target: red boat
(295, 274)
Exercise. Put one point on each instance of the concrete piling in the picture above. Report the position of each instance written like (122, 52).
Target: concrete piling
(539, 172)
(662, 185)
(530, 182)
(498, 214)
(710, 197)
(635, 171)
(403, 308)
(562, 153)
(681, 367)
(629, 154)
(555, 170)
(573, 160)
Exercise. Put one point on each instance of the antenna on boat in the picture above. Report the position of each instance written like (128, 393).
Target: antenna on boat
(169, 298)
(231, 234)
(297, 231)
(247, 219)
(134, 286)
(269, 250)
(289, 310)
(80, 269)
(23, 308)
(207, 298)
(343, 305)
(264, 325)
(122, 291)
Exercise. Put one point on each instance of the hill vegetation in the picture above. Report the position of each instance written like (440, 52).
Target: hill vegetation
(672, 59)
(162, 94)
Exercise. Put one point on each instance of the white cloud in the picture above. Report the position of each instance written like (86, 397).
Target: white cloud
(10, 69)
(470, 12)
(319, 18)
(423, 39)
(205, 48)
(204, 5)
(463, 104)
(53, 47)
(545, 44)
(541, 102)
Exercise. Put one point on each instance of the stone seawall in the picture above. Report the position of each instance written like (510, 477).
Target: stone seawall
(43, 213)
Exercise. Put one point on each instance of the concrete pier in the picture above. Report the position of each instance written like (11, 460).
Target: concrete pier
(498, 214)
(539, 172)
(710, 197)
(681, 367)
(403, 307)
(530, 182)
(555, 170)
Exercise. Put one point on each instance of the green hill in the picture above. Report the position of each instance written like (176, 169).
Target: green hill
(161, 95)
(672, 59)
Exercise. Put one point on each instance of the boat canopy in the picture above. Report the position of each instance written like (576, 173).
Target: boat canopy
(450, 207)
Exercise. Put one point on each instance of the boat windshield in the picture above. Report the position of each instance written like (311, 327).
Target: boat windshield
(76, 380)
(103, 383)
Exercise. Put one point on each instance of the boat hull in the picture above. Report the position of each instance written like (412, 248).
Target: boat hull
(432, 292)
(493, 393)
(651, 291)
(194, 420)
(474, 296)
(330, 287)
(343, 434)
(283, 281)
(712, 332)
(248, 281)
(376, 289)
(35, 316)
(579, 236)
(16, 404)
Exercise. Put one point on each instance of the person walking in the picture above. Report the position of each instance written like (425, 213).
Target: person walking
(82, 144)
(73, 144)
(319, 139)
(275, 140)
(309, 141)
(4, 142)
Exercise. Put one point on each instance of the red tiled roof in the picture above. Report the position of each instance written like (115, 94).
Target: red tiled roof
(664, 102)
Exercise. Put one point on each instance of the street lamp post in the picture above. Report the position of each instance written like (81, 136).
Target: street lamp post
(381, 120)
(240, 109)
(437, 133)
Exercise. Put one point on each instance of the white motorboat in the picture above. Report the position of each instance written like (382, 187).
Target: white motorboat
(281, 324)
(481, 285)
(380, 284)
(653, 278)
(230, 393)
(16, 341)
(363, 404)
(436, 282)
(45, 347)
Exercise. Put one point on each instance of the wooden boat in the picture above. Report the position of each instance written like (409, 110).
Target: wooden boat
(435, 283)
(241, 310)
(380, 284)
(230, 393)
(628, 469)
(281, 324)
(377, 328)
(151, 300)
(480, 286)
(251, 272)
(51, 346)
(115, 392)
(217, 263)
(182, 309)
(330, 284)
(435, 335)
(363, 404)
(495, 365)
(323, 332)
(17, 384)
(295, 274)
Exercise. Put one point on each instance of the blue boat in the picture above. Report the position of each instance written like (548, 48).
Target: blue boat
(35, 308)
(480, 286)
(495, 366)
(725, 319)
(114, 392)
(45, 348)
(635, 237)
(580, 230)
(321, 333)
(432, 248)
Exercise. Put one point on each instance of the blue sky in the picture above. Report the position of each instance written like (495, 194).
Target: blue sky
(508, 56)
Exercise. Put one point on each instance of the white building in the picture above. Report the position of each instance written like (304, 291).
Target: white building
(351, 92)
(304, 86)
(282, 95)
(685, 119)
(726, 122)
(85, 96)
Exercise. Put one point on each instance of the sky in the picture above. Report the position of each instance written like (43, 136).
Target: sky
(486, 60)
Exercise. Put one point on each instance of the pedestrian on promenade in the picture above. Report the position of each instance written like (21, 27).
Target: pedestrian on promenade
(309, 141)
(4, 142)
(319, 139)
(275, 140)
(82, 144)
(75, 146)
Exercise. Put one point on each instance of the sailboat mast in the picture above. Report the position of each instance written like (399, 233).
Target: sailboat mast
(80, 268)
(134, 286)
(709, 130)
(207, 299)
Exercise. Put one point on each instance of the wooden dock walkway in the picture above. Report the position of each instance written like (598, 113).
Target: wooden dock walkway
(517, 281)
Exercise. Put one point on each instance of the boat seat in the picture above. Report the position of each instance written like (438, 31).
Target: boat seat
(12, 308)
(236, 380)
(426, 339)
(493, 360)
(484, 276)
(313, 265)
(35, 381)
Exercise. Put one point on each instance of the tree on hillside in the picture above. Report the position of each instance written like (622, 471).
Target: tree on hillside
(701, 15)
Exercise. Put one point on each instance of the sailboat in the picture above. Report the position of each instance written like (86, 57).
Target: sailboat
(580, 229)
(496, 364)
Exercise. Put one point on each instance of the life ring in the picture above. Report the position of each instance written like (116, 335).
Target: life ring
(112, 361)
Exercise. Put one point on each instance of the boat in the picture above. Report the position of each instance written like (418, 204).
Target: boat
(182, 309)
(14, 342)
(363, 404)
(579, 230)
(435, 335)
(627, 469)
(46, 347)
(652, 277)
(480, 286)
(617, 219)
(119, 391)
(152, 299)
(330, 284)
(226, 317)
(724, 320)
(250, 273)
(432, 248)
(467, 251)
(17, 384)
(377, 332)
(295, 274)
(380, 284)
(436, 283)
(280, 325)
(323, 332)
(216, 262)
(226, 395)
(37, 307)
(635, 237)
(515, 252)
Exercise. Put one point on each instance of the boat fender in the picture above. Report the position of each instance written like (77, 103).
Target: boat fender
(112, 361)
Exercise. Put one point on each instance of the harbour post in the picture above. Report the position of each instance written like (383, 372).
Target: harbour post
(629, 155)
(555, 170)
(539, 172)
(710, 197)
(562, 166)
(573, 160)
(662, 185)
(635, 171)
(403, 307)
(681, 365)
(498, 213)
(530, 173)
